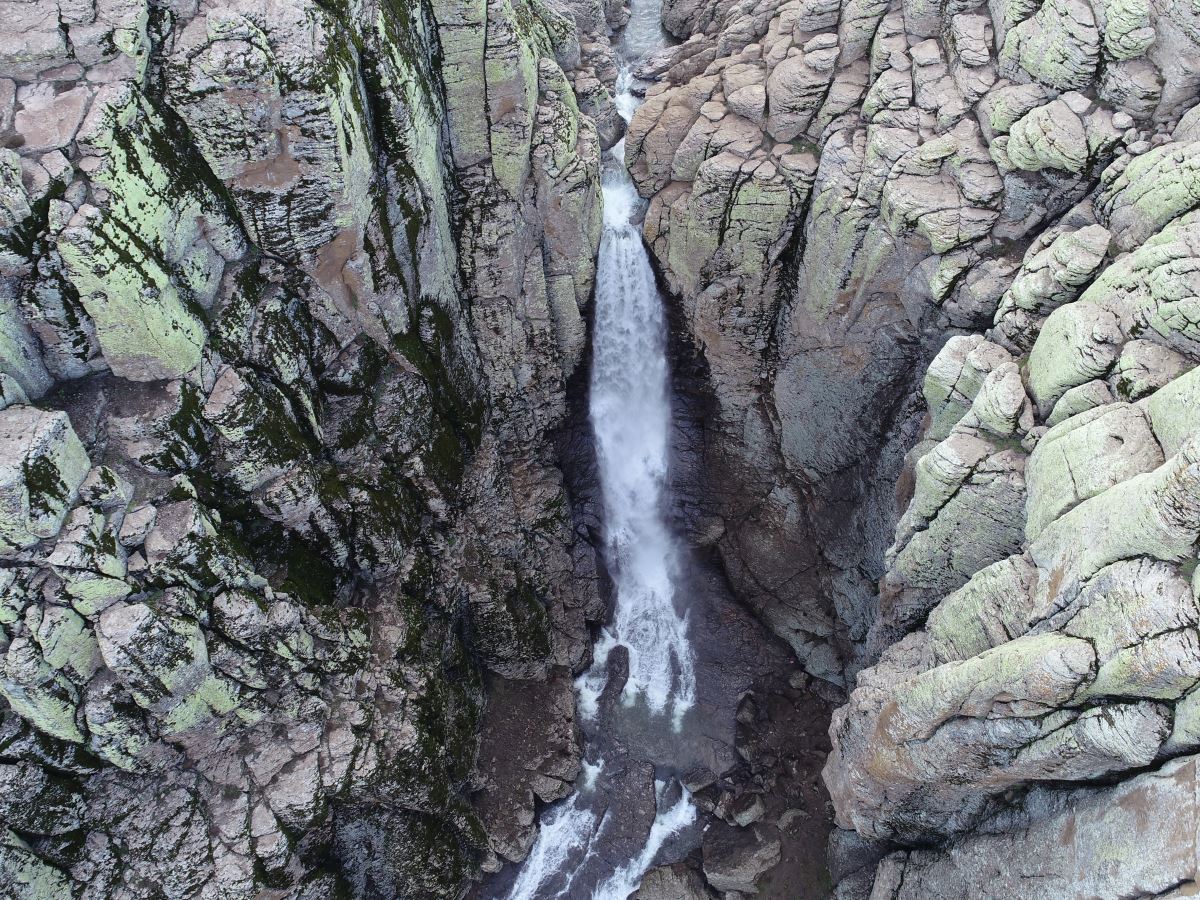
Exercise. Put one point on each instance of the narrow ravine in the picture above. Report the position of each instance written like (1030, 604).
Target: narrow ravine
(631, 418)
(658, 705)
(584, 845)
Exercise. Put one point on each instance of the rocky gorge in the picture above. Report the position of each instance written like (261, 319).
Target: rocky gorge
(302, 538)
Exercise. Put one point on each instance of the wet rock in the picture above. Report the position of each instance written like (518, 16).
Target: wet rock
(676, 882)
(545, 747)
(735, 858)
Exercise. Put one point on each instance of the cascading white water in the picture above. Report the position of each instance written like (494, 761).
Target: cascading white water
(626, 879)
(631, 417)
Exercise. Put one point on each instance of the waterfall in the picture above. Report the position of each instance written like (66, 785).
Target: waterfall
(630, 415)
(631, 418)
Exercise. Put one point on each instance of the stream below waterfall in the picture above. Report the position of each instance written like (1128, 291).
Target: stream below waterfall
(677, 652)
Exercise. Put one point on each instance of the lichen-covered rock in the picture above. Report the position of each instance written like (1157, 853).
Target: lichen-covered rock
(955, 377)
(1059, 46)
(1093, 840)
(310, 281)
(1174, 411)
(946, 143)
(1049, 278)
(966, 514)
(1084, 456)
(1139, 198)
(43, 465)
(991, 609)
(1079, 342)
(143, 301)
(1051, 136)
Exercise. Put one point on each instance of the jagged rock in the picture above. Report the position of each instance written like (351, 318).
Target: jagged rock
(735, 858)
(44, 464)
(90, 560)
(37, 802)
(42, 696)
(159, 425)
(163, 661)
(139, 300)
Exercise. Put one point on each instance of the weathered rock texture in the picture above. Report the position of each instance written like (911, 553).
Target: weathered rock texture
(835, 187)
(941, 262)
(289, 294)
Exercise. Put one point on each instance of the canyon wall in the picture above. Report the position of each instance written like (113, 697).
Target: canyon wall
(289, 296)
(292, 295)
(941, 262)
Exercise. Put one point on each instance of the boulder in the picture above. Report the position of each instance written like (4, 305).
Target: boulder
(42, 464)
(734, 858)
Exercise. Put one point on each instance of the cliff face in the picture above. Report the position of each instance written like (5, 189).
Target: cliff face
(835, 190)
(290, 293)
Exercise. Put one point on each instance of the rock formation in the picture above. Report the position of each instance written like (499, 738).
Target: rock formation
(967, 230)
(290, 293)
(293, 298)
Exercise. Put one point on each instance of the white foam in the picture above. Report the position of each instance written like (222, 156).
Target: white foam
(626, 879)
(589, 774)
(631, 418)
(564, 829)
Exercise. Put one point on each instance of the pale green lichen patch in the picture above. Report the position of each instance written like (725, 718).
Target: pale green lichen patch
(41, 469)
(28, 875)
(146, 262)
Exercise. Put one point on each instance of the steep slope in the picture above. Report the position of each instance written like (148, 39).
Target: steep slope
(292, 297)
(835, 190)
(290, 294)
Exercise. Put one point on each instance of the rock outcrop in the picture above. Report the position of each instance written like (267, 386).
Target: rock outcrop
(835, 187)
(290, 293)
(940, 263)
(292, 593)
(1068, 650)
